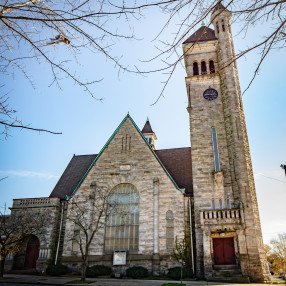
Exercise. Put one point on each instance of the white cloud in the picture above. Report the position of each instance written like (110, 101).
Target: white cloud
(28, 174)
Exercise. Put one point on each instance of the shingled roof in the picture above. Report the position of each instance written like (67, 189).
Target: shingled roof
(203, 34)
(147, 128)
(72, 175)
(218, 6)
(176, 161)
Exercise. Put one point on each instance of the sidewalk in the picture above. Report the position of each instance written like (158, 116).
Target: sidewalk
(49, 280)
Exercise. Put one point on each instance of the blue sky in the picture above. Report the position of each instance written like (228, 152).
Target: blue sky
(34, 162)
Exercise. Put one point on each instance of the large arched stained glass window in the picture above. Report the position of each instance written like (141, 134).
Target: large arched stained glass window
(122, 224)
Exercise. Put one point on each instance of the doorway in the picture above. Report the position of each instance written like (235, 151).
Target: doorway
(32, 253)
(224, 253)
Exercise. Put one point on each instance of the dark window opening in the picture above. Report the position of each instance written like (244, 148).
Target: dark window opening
(217, 28)
(212, 67)
(223, 28)
(204, 67)
(195, 68)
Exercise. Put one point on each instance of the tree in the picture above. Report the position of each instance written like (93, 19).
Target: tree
(34, 29)
(278, 245)
(88, 217)
(188, 14)
(16, 228)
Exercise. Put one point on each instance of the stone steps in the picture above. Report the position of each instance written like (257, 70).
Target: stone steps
(228, 273)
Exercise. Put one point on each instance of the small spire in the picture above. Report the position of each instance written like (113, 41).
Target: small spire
(147, 119)
(203, 24)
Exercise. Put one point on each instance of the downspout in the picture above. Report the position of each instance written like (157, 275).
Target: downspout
(60, 231)
(191, 236)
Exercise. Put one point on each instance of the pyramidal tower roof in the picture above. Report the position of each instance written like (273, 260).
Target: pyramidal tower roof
(147, 127)
(219, 6)
(203, 34)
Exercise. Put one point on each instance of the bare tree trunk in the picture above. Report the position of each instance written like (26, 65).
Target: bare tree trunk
(2, 263)
(83, 270)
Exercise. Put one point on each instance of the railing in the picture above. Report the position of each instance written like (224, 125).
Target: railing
(224, 216)
(35, 202)
(44, 253)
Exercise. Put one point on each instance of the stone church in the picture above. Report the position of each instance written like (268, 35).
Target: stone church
(206, 191)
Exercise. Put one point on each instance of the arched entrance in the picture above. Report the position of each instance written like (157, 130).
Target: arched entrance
(32, 252)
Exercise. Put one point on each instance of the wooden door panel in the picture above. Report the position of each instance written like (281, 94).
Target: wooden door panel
(224, 253)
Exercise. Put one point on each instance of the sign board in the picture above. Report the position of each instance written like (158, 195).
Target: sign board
(119, 257)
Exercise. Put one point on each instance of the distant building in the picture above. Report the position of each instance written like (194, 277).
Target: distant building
(206, 190)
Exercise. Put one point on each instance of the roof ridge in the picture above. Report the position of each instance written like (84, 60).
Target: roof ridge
(173, 148)
(107, 143)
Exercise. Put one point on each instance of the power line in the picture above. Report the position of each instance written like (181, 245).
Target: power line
(271, 178)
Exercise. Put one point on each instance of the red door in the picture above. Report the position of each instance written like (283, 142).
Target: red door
(32, 253)
(224, 251)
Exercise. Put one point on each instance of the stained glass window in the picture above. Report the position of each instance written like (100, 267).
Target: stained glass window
(122, 224)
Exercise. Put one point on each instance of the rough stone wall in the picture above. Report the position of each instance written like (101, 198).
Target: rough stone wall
(235, 181)
(203, 116)
(48, 207)
(253, 262)
(128, 160)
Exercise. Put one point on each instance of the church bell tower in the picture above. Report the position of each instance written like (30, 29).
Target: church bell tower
(227, 224)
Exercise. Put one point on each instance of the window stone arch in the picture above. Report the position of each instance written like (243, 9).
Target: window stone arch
(122, 223)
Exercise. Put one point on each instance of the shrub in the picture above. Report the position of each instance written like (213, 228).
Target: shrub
(137, 272)
(175, 273)
(97, 270)
(56, 270)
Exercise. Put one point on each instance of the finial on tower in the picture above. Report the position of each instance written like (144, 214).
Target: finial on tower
(203, 24)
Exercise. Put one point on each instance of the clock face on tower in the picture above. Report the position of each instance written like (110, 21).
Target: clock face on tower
(210, 94)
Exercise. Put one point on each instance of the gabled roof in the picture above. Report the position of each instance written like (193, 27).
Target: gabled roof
(72, 175)
(203, 34)
(105, 146)
(178, 162)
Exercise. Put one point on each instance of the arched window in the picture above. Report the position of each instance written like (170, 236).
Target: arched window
(195, 68)
(122, 224)
(220, 204)
(227, 204)
(204, 67)
(211, 66)
(222, 25)
(169, 230)
(217, 28)
(215, 150)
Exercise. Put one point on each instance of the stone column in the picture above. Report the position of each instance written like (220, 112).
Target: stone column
(156, 258)
(207, 253)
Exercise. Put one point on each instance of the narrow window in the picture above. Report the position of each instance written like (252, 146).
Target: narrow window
(212, 67)
(169, 230)
(220, 204)
(195, 68)
(213, 204)
(215, 148)
(217, 28)
(204, 67)
(227, 204)
(222, 25)
(76, 238)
